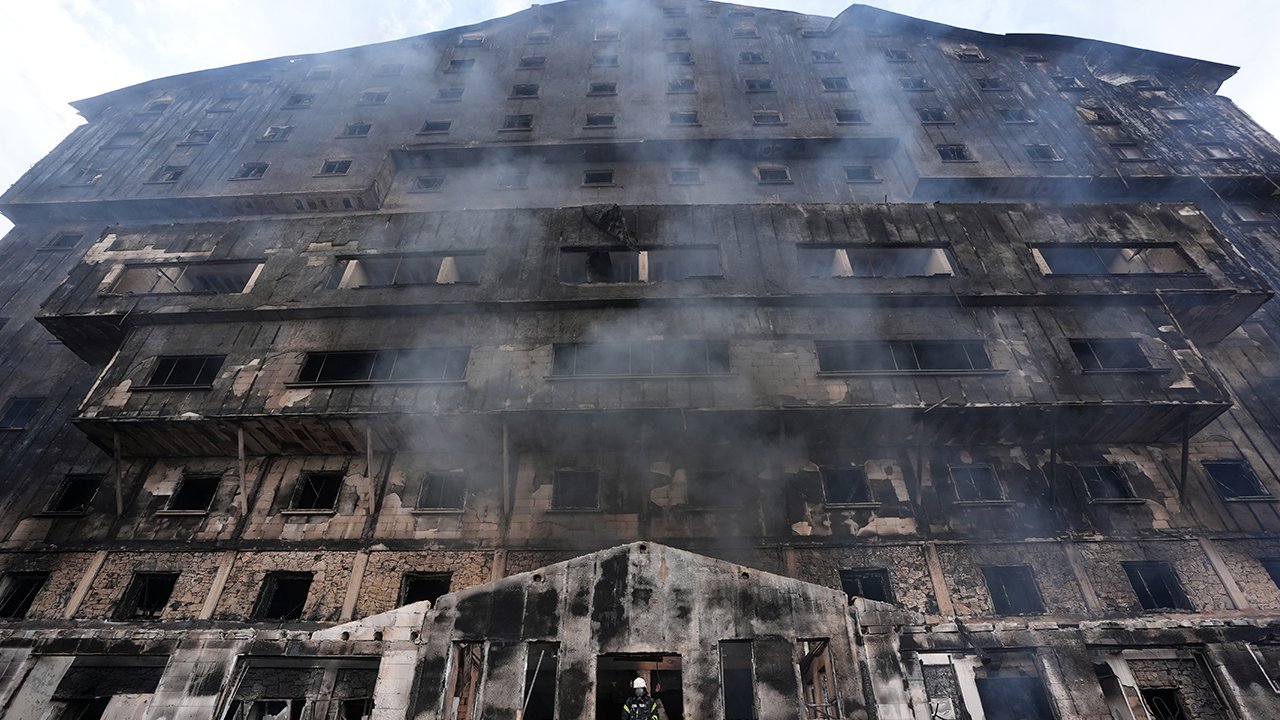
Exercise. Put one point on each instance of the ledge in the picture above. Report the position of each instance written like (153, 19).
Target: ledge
(858, 373)
(359, 383)
(641, 377)
(182, 513)
(301, 511)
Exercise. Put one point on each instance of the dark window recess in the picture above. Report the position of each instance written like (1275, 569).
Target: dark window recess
(824, 56)
(436, 126)
(471, 41)
(517, 122)
(898, 55)
(185, 371)
(712, 488)
(954, 153)
(1235, 479)
(74, 494)
(679, 58)
(575, 490)
(861, 173)
(1013, 590)
(849, 117)
(737, 676)
(609, 265)
(933, 115)
(460, 64)
(538, 37)
(356, 709)
(533, 62)
(684, 117)
(316, 491)
(745, 31)
(675, 34)
(991, 83)
(602, 88)
(869, 583)
(667, 357)
(604, 60)
(251, 171)
(124, 138)
(760, 85)
(385, 365)
(914, 83)
(681, 85)
(442, 492)
(513, 181)
(429, 586)
(751, 58)
(428, 183)
(845, 485)
(18, 591)
(194, 493)
(773, 174)
(18, 412)
(766, 117)
(1097, 115)
(1042, 153)
(1105, 482)
(1067, 82)
(600, 120)
(1121, 354)
(1157, 586)
(169, 174)
(228, 103)
(146, 596)
(277, 133)
(902, 356)
(1112, 259)
(835, 84)
(1272, 566)
(357, 129)
(1130, 152)
(320, 73)
(524, 90)
(1014, 698)
(63, 241)
(449, 94)
(300, 100)
(597, 177)
(335, 167)
(283, 596)
(1163, 703)
(1016, 115)
(84, 708)
(686, 176)
(976, 483)
(230, 277)
(541, 663)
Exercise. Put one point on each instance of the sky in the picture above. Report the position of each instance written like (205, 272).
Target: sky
(55, 51)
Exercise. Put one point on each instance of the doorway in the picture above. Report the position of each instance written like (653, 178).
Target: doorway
(660, 671)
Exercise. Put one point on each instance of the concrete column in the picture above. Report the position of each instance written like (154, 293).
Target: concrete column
(86, 582)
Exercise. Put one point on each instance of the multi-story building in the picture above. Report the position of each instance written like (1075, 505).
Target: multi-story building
(808, 368)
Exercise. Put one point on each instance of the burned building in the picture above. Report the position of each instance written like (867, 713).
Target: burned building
(856, 367)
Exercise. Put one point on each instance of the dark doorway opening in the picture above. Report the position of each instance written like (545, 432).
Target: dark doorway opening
(660, 671)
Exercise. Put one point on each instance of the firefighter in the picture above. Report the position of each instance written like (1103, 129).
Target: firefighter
(640, 706)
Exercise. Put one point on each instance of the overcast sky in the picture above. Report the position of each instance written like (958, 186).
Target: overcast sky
(56, 51)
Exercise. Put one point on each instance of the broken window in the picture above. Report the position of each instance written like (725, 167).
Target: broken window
(664, 357)
(1217, 151)
(84, 176)
(463, 685)
(991, 83)
(836, 84)
(575, 490)
(1163, 703)
(316, 491)
(84, 708)
(954, 153)
(1249, 213)
(406, 270)
(283, 596)
(1105, 482)
(1235, 479)
(751, 57)
(824, 56)
(760, 85)
(517, 122)
(845, 485)
(532, 62)
(684, 117)
(74, 494)
(608, 265)
(448, 94)
(251, 171)
(817, 679)
(737, 680)
(371, 366)
(597, 177)
(524, 90)
(300, 101)
(18, 591)
(773, 174)
(602, 88)
(1097, 354)
(1081, 259)
(976, 483)
(428, 183)
(428, 586)
(1039, 152)
(122, 139)
(294, 689)
(539, 701)
(1067, 83)
(1016, 115)
(902, 356)
(680, 58)
(914, 83)
(442, 492)
(1129, 152)
(1157, 586)
(356, 129)
(460, 65)
(675, 34)
(766, 117)
(212, 277)
(686, 176)
(168, 174)
(867, 173)
(607, 60)
(435, 126)
(848, 116)
(19, 411)
(513, 181)
(600, 120)
(188, 371)
(335, 167)
(681, 86)
(900, 55)
(194, 493)
(745, 32)
(63, 241)
(538, 37)
(1014, 698)
(146, 596)
(933, 115)
(1013, 589)
(276, 133)
(871, 583)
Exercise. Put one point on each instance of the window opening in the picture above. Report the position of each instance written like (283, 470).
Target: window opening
(1067, 82)
(767, 117)
(1016, 115)
(18, 412)
(1013, 590)
(954, 153)
(1105, 482)
(1157, 586)
(335, 167)
(442, 492)
(760, 85)
(684, 117)
(74, 494)
(513, 181)
(836, 84)
(147, 595)
(849, 117)
(866, 173)
(465, 674)
(871, 583)
(664, 357)
(194, 493)
(991, 83)
(773, 174)
(602, 88)
(357, 129)
(539, 702)
(845, 485)
(933, 115)
(316, 491)
(18, 590)
(600, 120)
(681, 85)
(607, 60)
(1163, 703)
(751, 58)
(680, 58)
(524, 90)
(686, 176)
(824, 56)
(277, 133)
(283, 596)
(597, 177)
(460, 65)
(420, 586)
(1042, 153)
(976, 483)
(185, 371)
(232, 277)
(737, 680)
(517, 122)
(873, 261)
(1110, 354)
(251, 171)
(898, 55)
(1070, 259)
(63, 241)
(1014, 698)
(436, 126)
(533, 62)
(914, 83)
(575, 490)
(817, 680)
(300, 101)
(169, 174)
(902, 356)
(1235, 479)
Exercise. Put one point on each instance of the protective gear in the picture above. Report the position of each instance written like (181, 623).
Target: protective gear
(640, 707)
(638, 683)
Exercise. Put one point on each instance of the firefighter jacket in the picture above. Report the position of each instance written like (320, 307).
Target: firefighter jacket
(640, 708)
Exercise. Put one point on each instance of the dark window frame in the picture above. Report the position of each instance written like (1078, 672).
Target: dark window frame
(203, 368)
(567, 499)
(715, 359)
(193, 483)
(19, 411)
(858, 492)
(1013, 590)
(316, 492)
(854, 582)
(453, 366)
(408, 579)
(1253, 489)
(977, 490)
(335, 167)
(1106, 483)
(251, 171)
(1111, 355)
(66, 492)
(147, 595)
(267, 609)
(906, 357)
(1146, 576)
(18, 592)
(442, 493)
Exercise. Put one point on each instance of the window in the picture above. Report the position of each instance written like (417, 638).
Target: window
(604, 60)
(431, 127)
(972, 55)
(672, 12)
(1013, 590)
(211, 277)
(1105, 482)
(532, 62)
(323, 72)
(607, 35)
(737, 681)
(1218, 151)
(1235, 480)
(19, 411)
(513, 181)
(374, 366)
(283, 596)
(684, 117)
(767, 117)
(675, 34)
(517, 122)
(1039, 152)
(900, 55)
(524, 90)
(760, 85)
(1067, 83)
(448, 94)
(316, 491)
(1014, 116)
(575, 490)
(1080, 259)
(845, 485)
(600, 120)
(902, 356)
(681, 86)
(846, 116)
(18, 591)
(954, 153)
(276, 133)
(251, 171)
(389, 70)
(933, 115)
(420, 586)
(125, 138)
(1178, 115)
(1034, 58)
(541, 662)
(227, 103)
(74, 494)
(976, 484)
(1163, 703)
(773, 174)
(158, 105)
(1249, 213)
(679, 58)
(751, 57)
(335, 167)
(1272, 566)
(686, 176)
(835, 84)
(460, 65)
(1147, 83)
(63, 241)
(428, 183)
(602, 88)
(538, 37)
(199, 137)
(624, 265)
(84, 177)
(711, 489)
(1014, 698)
(300, 101)
(1097, 354)
(813, 33)
(664, 357)
(1095, 114)
(356, 129)
(442, 492)
(146, 596)
(869, 583)
(826, 261)
(194, 493)
(168, 174)
(1157, 586)
(597, 177)
(990, 83)
(914, 83)
(1129, 152)
(185, 371)
(860, 174)
(824, 56)
(474, 40)
(745, 31)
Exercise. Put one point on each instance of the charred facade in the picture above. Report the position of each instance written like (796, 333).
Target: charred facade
(854, 367)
